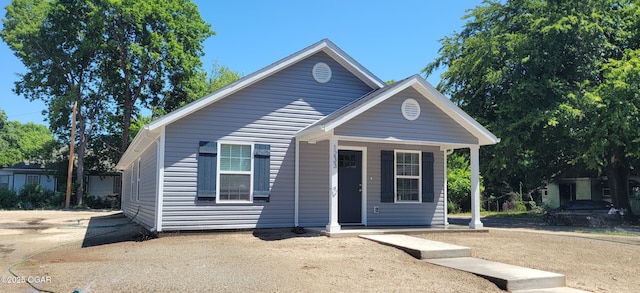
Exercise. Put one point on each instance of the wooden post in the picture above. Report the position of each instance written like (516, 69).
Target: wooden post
(71, 155)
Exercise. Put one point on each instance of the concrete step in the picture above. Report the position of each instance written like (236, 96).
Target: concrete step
(507, 277)
(421, 248)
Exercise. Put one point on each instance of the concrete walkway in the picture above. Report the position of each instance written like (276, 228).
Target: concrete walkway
(421, 248)
(507, 277)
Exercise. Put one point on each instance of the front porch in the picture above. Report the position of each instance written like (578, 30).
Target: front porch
(401, 152)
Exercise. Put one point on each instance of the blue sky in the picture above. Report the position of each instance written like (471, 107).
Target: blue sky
(392, 39)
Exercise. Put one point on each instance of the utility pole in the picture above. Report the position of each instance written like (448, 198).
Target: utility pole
(71, 155)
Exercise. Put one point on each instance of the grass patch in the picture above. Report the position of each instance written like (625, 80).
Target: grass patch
(511, 215)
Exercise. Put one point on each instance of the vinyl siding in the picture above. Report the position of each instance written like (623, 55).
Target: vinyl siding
(314, 192)
(270, 112)
(385, 121)
(20, 180)
(101, 186)
(142, 208)
(314, 184)
(431, 213)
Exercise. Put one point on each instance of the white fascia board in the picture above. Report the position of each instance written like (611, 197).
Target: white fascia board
(442, 145)
(141, 142)
(366, 106)
(345, 60)
(324, 45)
(485, 137)
(234, 87)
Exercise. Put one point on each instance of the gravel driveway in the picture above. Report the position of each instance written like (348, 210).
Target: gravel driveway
(113, 256)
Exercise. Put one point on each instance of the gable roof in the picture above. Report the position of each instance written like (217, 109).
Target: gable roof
(25, 166)
(147, 135)
(326, 125)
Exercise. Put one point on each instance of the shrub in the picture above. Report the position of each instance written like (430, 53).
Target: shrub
(8, 199)
(33, 196)
(459, 182)
(453, 208)
(107, 202)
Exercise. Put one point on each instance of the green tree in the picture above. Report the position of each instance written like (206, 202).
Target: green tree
(152, 55)
(459, 182)
(59, 42)
(109, 56)
(220, 76)
(9, 152)
(25, 142)
(610, 124)
(526, 69)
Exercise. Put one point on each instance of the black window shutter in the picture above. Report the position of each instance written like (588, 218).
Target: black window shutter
(261, 171)
(428, 194)
(207, 168)
(386, 176)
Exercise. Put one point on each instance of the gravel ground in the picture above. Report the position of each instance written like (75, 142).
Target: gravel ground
(111, 256)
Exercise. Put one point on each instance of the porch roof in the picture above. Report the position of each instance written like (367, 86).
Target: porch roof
(324, 128)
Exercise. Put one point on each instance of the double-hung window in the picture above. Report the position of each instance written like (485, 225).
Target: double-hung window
(235, 172)
(408, 177)
(231, 172)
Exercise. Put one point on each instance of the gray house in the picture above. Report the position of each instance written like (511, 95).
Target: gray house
(314, 139)
(15, 177)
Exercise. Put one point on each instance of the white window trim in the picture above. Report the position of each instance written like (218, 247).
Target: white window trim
(396, 176)
(219, 172)
(27, 176)
(138, 180)
(133, 182)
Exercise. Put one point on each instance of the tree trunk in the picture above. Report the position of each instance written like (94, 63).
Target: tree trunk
(126, 124)
(618, 178)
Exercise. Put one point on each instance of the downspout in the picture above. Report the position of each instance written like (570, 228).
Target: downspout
(296, 192)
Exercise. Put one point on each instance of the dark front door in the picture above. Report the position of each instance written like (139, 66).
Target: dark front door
(349, 187)
(567, 192)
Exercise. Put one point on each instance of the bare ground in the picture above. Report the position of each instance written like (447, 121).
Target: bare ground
(109, 256)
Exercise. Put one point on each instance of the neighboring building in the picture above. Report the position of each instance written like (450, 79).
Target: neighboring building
(17, 176)
(314, 139)
(563, 190)
(103, 185)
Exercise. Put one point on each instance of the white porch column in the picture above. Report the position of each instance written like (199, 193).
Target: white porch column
(333, 225)
(446, 153)
(475, 188)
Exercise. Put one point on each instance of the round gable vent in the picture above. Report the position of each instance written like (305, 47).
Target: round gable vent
(321, 72)
(410, 109)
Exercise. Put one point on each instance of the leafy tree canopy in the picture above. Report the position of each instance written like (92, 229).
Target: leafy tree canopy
(553, 79)
(24, 142)
(111, 57)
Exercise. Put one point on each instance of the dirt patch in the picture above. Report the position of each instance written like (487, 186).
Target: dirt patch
(279, 260)
(33, 221)
(4, 249)
(597, 263)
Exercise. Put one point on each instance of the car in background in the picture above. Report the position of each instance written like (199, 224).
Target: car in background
(592, 213)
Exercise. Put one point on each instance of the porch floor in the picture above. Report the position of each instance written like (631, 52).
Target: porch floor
(357, 230)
